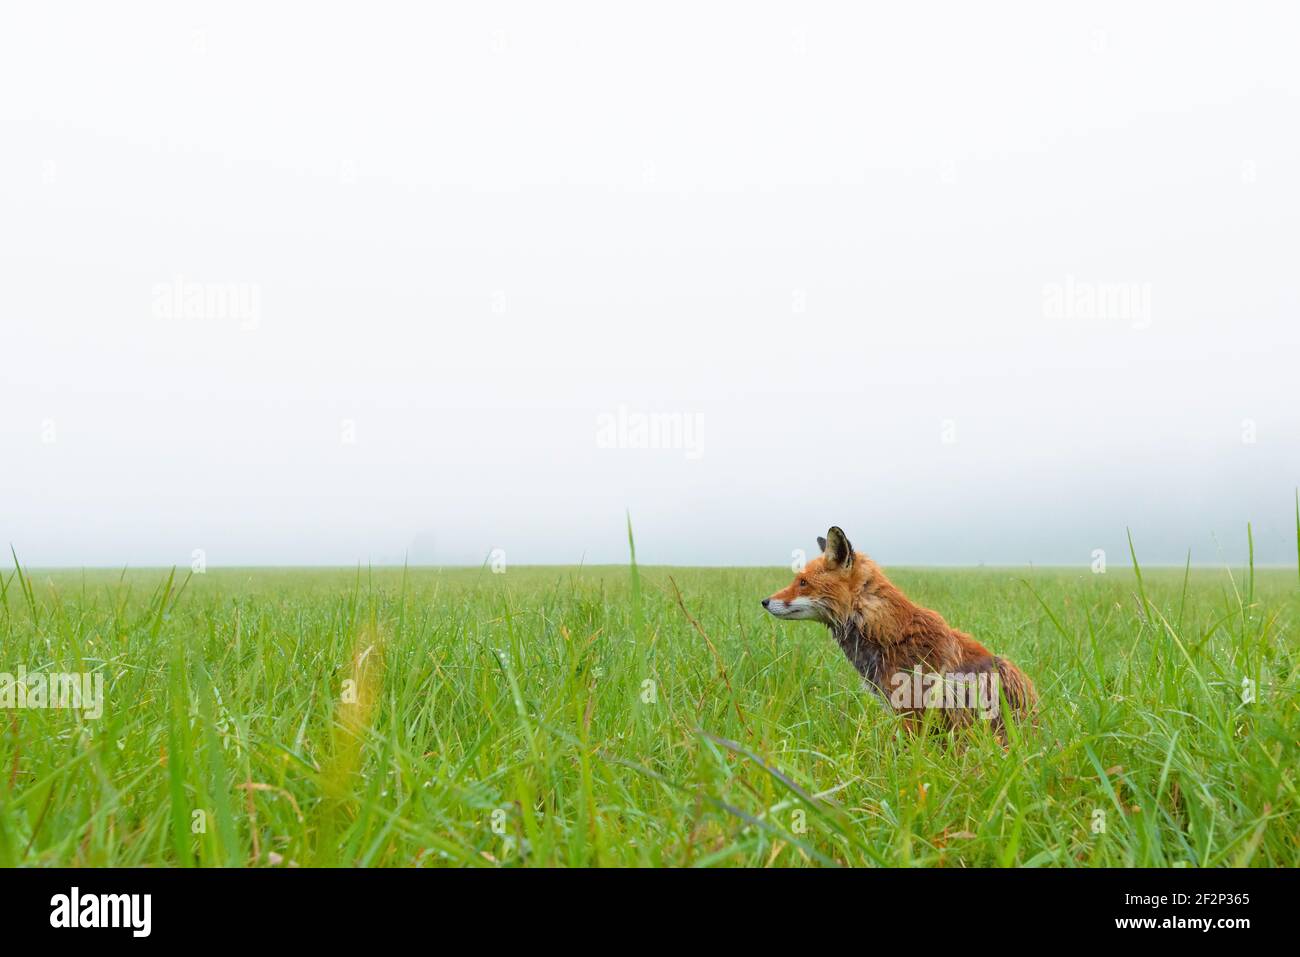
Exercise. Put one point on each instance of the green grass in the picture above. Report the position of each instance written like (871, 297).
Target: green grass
(565, 716)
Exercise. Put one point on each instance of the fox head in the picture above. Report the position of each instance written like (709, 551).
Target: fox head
(826, 588)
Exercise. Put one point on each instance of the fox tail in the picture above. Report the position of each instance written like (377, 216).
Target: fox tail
(1022, 699)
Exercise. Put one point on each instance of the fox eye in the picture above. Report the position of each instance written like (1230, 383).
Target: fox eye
(803, 583)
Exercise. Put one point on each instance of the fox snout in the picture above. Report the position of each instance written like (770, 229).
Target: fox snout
(793, 609)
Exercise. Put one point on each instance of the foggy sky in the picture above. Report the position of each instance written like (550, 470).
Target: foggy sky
(340, 285)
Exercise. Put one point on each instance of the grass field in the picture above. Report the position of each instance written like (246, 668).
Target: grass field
(567, 716)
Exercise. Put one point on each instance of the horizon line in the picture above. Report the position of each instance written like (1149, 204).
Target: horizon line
(485, 565)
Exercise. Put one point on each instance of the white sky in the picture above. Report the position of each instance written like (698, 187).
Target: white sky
(818, 231)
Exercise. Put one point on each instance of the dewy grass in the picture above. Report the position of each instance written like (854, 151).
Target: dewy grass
(565, 716)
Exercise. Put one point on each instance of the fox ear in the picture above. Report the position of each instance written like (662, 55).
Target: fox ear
(836, 549)
(821, 543)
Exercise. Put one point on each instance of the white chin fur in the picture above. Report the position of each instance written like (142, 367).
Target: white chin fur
(799, 609)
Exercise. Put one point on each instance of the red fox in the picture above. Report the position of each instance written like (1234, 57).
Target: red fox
(909, 655)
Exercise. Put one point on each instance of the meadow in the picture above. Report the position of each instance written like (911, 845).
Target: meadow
(565, 716)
